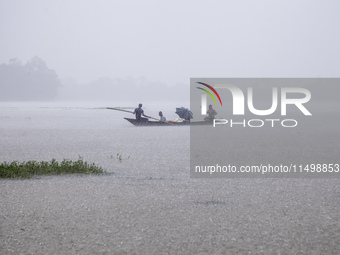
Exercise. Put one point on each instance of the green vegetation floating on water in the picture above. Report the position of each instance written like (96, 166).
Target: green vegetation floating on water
(26, 170)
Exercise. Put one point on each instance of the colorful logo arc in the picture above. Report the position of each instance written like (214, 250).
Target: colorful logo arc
(204, 84)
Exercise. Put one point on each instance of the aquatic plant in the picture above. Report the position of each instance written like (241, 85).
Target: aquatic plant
(119, 157)
(26, 170)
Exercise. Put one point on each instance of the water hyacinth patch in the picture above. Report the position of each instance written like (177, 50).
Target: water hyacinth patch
(26, 170)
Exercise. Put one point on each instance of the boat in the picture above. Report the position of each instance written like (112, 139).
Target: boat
(166, 123)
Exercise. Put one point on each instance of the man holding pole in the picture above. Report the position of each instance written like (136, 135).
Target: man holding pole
(139, 112)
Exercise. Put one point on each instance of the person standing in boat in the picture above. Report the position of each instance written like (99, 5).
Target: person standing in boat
(139, 112)
(161, 117)
(211, 114)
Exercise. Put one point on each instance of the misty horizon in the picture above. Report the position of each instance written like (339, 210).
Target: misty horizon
(150, 50)
(34, 80)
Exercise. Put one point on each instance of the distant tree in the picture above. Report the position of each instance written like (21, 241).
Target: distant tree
(32, 81)
(14, 62)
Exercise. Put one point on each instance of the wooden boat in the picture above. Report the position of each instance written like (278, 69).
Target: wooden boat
(161, 123)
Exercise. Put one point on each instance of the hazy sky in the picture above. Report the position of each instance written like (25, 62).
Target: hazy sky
(171, 41)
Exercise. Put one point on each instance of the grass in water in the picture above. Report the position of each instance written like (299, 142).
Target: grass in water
(26, 170)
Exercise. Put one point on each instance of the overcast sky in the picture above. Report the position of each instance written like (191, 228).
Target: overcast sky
(171, 41)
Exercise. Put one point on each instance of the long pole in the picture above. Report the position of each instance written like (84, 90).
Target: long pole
(118, 109)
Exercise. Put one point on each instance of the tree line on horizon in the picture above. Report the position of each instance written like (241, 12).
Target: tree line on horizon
(32, 81)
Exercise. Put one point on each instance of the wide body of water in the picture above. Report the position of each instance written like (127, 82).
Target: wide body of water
(150, 205)
(43, 131)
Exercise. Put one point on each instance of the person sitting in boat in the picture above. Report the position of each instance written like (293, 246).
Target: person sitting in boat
(161, 117)
(211, 114)
(139, 112)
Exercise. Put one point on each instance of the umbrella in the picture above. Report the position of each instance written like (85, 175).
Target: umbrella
(184, 113)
